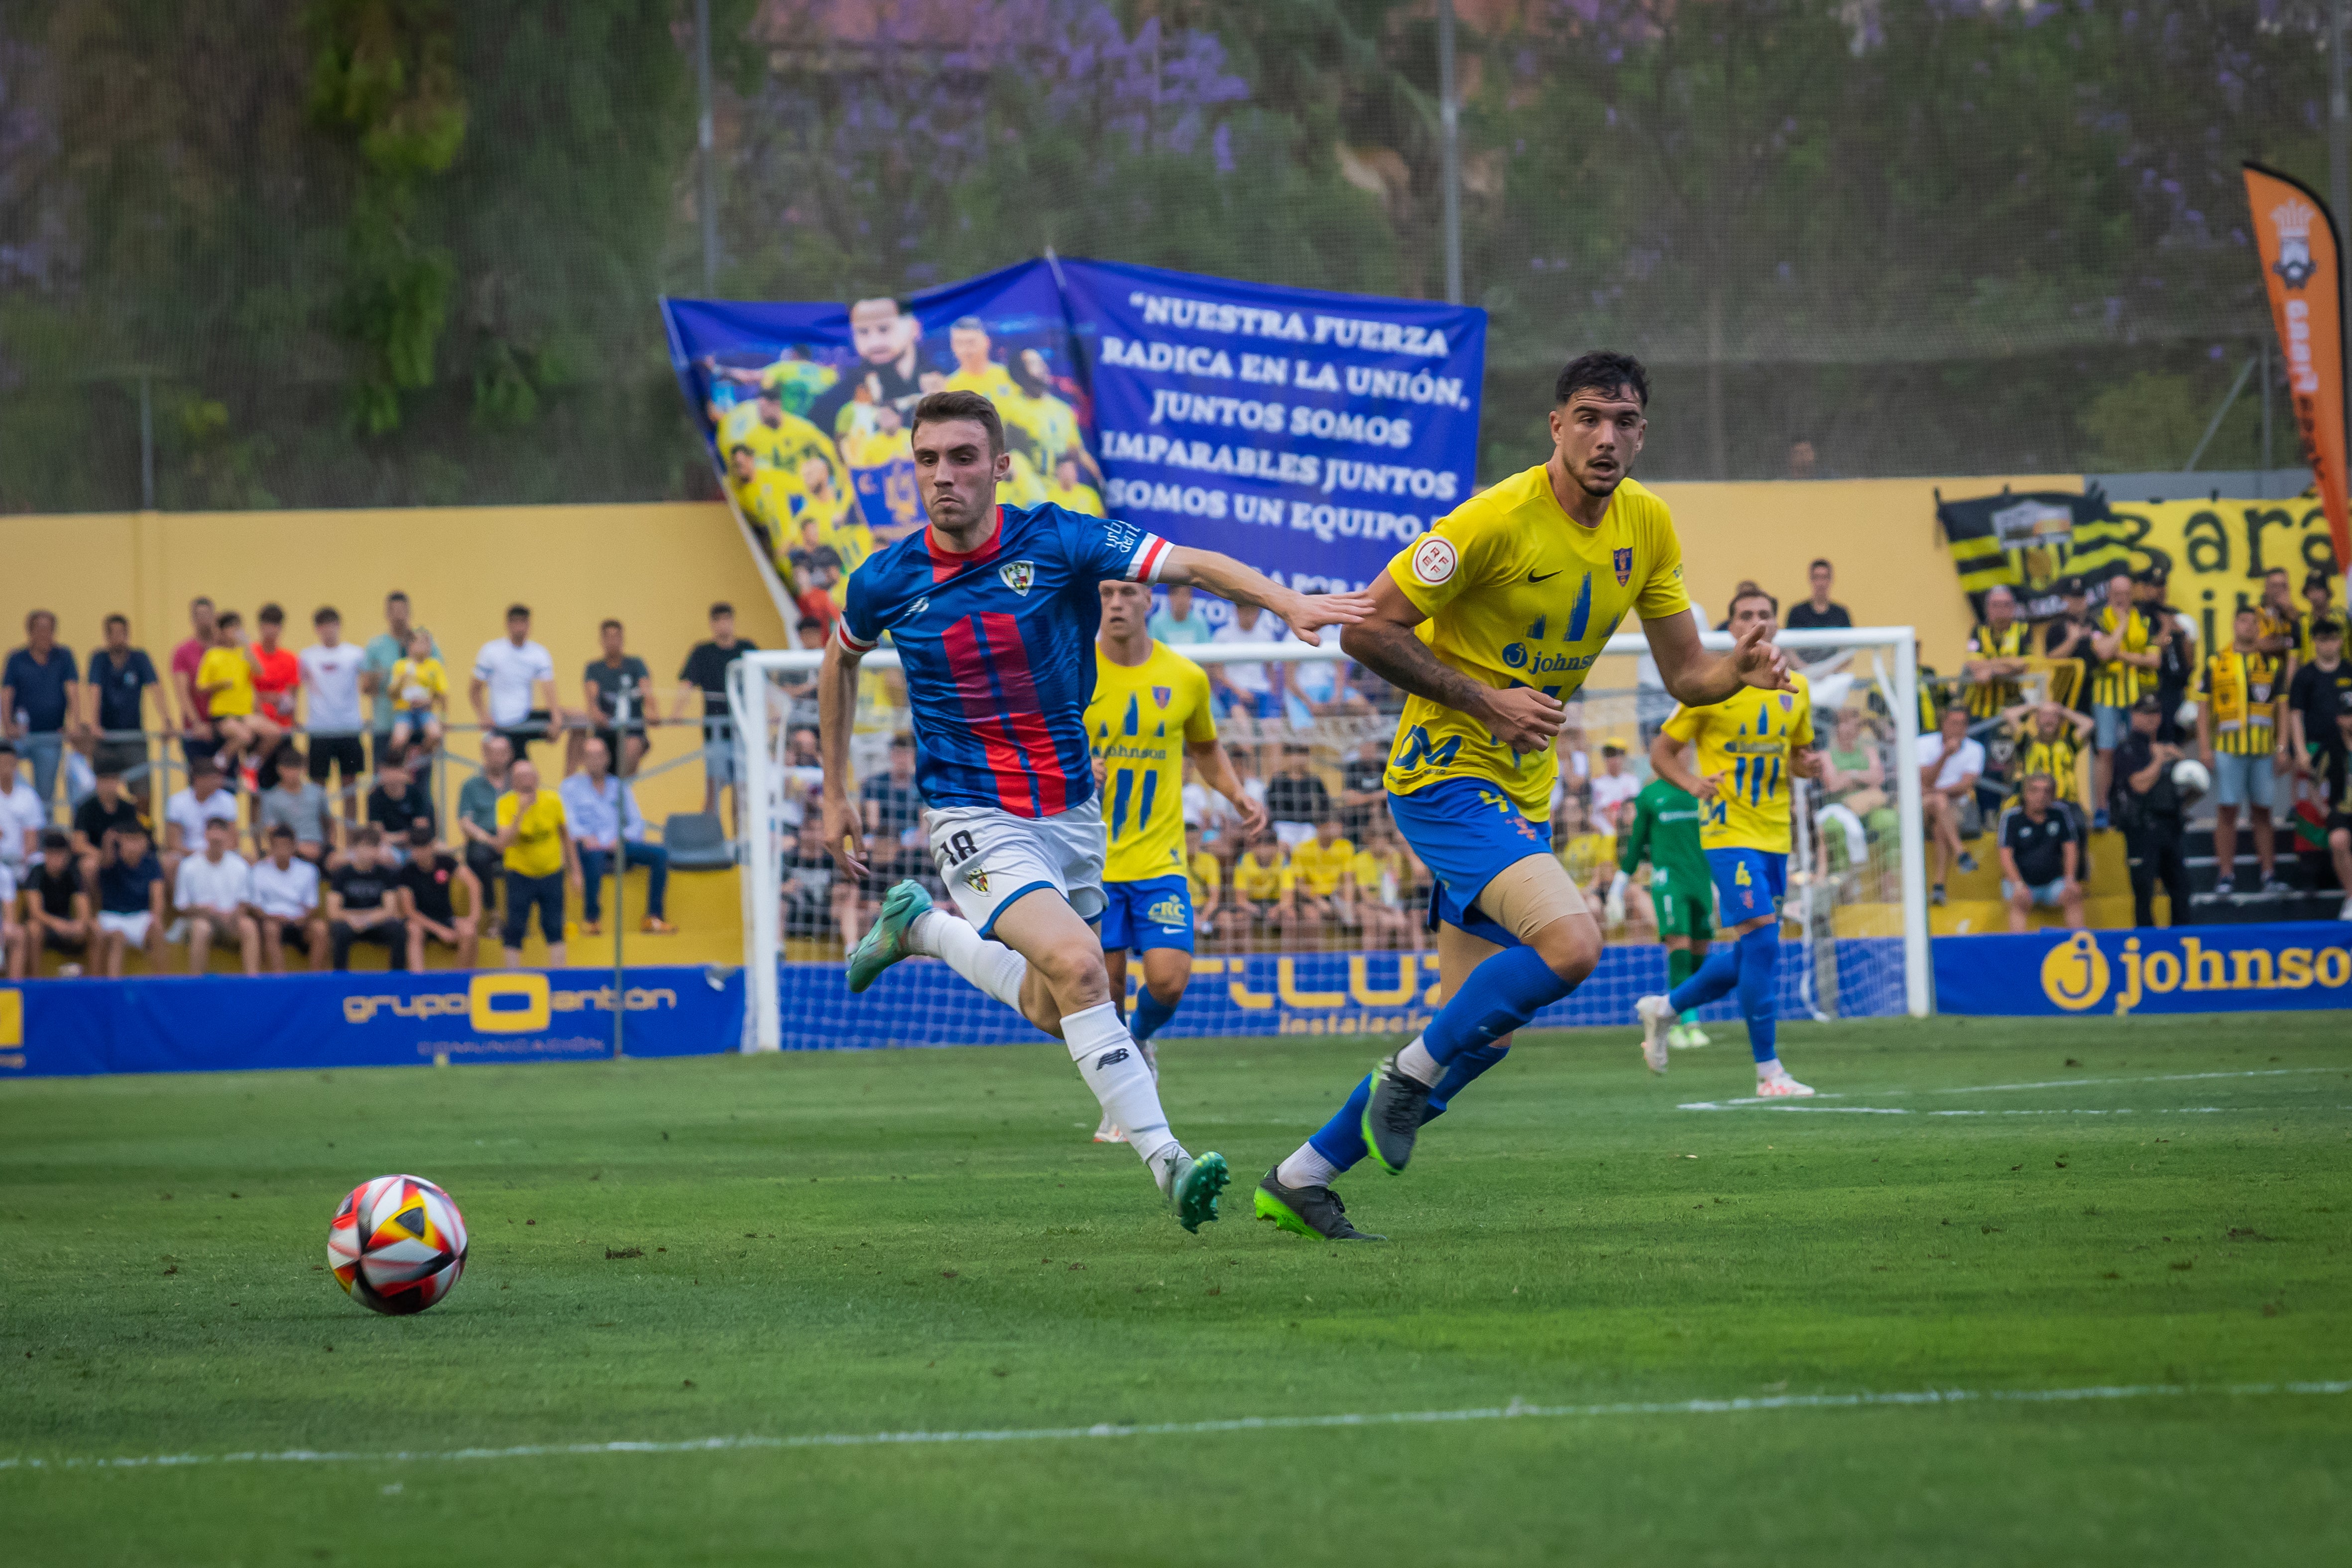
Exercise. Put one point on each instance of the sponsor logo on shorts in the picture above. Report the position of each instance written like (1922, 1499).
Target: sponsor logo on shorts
(1167, 912)
(1433, 561)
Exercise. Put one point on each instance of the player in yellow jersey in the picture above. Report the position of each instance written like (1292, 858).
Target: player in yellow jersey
(1489, 621)
(1751, 749)
(1150, 712)
(770, 501)
(779, 439)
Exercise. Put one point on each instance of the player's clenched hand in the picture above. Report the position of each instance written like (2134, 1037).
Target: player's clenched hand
(1308, 614)
(1102, 770)
(1524, 720)
(846, 837)
(1709, 785)
(1759, 662)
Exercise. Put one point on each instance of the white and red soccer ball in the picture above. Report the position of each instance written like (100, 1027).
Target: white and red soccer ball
(397, 1245)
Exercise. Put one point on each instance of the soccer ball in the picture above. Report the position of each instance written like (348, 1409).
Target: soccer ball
(2189, 777)
(397, 1244)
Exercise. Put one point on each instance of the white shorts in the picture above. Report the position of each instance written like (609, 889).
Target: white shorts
(133, 928)
(988, 857)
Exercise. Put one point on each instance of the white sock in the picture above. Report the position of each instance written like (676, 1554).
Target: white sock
(991, 965)
(1770, 1067)
(1113, 1066)
(1306, 1168)
(1415, 1062)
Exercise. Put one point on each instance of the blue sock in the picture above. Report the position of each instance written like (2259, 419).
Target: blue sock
(1510, 988)
(1715, 978)
(1760, 996)
(1149, 1012)
(1342, 1138)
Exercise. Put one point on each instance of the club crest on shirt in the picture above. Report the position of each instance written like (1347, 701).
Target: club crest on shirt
(1018, 575)
(1787, 701)
(1622, 559)
(1162, 695)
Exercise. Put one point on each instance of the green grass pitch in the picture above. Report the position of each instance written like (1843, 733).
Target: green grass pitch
(855, 1243)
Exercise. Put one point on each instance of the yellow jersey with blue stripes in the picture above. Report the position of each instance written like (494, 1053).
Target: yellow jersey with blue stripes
(1518, 593)
(1137, 724)
(1743, 743)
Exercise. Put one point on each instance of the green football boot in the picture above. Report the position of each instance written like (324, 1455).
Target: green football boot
(886, 944)
(1193, 1186)
(1315, 1213)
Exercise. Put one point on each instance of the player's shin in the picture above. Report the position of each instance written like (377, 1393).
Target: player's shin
(1716, 978)
(1114, 1068)
(1511, 988)
(993, 967)
(1759, 1000)
(1150, 1012)
(1338, 1144)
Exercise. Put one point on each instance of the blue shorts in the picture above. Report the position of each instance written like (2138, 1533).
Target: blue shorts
(1748, 884)
(2242, 781)
(1465, 831)
(1142, 916)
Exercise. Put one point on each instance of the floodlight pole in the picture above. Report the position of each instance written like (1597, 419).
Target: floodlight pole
(1449, 118)
(620, 869)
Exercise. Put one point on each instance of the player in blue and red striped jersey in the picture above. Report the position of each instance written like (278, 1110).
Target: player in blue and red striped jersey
(993, 611)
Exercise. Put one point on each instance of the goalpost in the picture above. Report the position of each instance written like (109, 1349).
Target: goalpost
(1856, 905)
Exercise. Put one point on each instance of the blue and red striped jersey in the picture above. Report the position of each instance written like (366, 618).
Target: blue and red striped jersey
(997, 649)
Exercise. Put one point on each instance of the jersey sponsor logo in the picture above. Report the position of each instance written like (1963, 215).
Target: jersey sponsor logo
(1433, 561)
(1018, 575)
(1622, 562)
(1419, 753)
(1516, 655)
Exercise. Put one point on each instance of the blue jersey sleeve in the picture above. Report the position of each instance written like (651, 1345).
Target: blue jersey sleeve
(1101, 547)
(860, 626)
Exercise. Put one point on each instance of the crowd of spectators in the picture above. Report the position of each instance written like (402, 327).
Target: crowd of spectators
(306, 821)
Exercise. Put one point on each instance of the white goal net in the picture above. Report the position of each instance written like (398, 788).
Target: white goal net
(1319, 927)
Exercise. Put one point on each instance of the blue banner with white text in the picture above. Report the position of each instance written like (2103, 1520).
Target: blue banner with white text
(53, 1028)
(2193, 969)
(1310, 434)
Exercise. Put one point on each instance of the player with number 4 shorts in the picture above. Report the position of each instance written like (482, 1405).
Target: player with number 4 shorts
(992, 610)
(1490, 621)
(1752, 748)
(1682, 892)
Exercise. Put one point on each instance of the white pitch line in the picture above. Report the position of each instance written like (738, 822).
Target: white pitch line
(1515, 1410)
(1905, 1111)
(2159, 1077)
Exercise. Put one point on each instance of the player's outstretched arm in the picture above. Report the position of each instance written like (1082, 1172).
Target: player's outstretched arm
(1306, 613)
(1696, 679)
(1217, 772)
(1383, 642)
(836, 711)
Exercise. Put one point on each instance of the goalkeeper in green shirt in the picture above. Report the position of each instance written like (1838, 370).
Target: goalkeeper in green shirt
(1665, 828)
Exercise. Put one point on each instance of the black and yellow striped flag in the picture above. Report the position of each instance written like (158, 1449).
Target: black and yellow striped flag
(2066, 533)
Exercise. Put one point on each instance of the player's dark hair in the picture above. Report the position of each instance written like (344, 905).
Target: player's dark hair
(947, 408)
(271, 615)
(1821, 564)
(722, 608)
(1604, 371)
(608, 625)
(522, 610)
(230, 618)
(325, 612)
(1746, 594)
(113, 621)
(395, 597)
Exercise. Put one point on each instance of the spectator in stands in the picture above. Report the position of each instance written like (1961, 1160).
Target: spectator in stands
(107, 810)
(1949, 765)
(609, 833)
(429, 884)
(1364, 789)
(398, 799)
(613, 677)
(2146, 804)
(420, 695)
(816, 571)
(1295, 798)
(198, 740)
(478, 818)
(276, 680)
(2040, 856)
(2339, 805)
(540, 858)
(893, 808)
(130, 884)
(1853, 789)
(1253, 689)
(2319, 599)
(59, 914)
(513, 688)
(332, 669)
(1321, 688)
(2278, 618)
(211, 893)
(284, 904)
(1818, 612)
(2238, 696)
(119, 678)
(384, 651)
(705, 673)
(1613, 787)
(22, 813)
(2124, 654)
(187, 810)
(798, 689)
(225, 680)
(1997, 655)
(2048, 739)
(2315, 749)
(1323, 867)
(1386, 877)
(16, 946)
(1180, 624)
(362, 904)
(40, 702)
(1584, 848)
(1263, 884)
(299, 806)
(2067, 635)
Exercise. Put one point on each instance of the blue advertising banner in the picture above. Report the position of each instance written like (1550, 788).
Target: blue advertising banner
(73, 1027)
(2193, 969)
(924, 1002)
(1312, 435)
